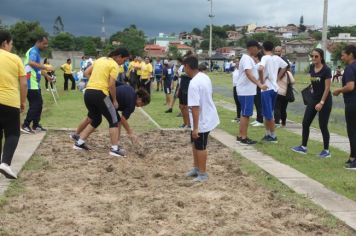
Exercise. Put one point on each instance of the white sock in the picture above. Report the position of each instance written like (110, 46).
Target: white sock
(115, 147)
(80, 141)
(272, 134)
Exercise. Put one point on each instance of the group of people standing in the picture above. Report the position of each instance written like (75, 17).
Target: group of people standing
(262, 78)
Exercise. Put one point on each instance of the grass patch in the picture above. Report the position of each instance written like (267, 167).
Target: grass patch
(35, 163)
(15, 188)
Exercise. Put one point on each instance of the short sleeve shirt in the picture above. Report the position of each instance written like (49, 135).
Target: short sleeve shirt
(126, 98)
(244, 86)
(318, 80)
(350, 76)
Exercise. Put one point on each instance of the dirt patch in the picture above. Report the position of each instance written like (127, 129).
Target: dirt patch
(146, 193)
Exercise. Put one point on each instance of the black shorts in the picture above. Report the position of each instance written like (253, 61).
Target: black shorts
(201, 142)
(99, 104)
(167, 86)
(183, 97)
(158, 78)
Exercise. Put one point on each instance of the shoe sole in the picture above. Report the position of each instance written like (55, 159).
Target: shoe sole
(274, 142)
(79, 148)
(25, 131)
(348, 168)
(8, 176)
(304, 153)
(115, 154)
(247, 144)
(325, 157)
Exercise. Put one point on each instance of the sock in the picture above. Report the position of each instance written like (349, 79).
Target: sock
(80, 141)
(268, 133)
(304, 147)
(115, 147)
(272, 134)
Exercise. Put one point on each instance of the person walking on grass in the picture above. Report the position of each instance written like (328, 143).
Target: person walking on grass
(67, 75)
(271, 69)
(34, 69)
(246, 89)
(168, 73)
(146, 72)
(348, 90)
(100, 98)
(13, 92)
(235, 77)
(257, 100)
(321, 102)
(48, 72)
(202, 114)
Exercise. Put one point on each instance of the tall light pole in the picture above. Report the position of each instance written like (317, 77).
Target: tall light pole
(211, 16)
(325, 26)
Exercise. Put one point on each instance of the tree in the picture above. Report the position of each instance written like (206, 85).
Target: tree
(217, 43)
(25, 35)
(173, 52)
(63, 41)
(89, 48)
(336, 54)
(262, 37)
(218, 31)
(131, 38)
(196, 31)
(316, 35)
(302, 27)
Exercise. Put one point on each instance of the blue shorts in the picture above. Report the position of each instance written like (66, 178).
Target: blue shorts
(268, 100)
(246, 105)
(167, 85)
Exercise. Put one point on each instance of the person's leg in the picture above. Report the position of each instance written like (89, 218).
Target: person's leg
(46, 83)
(324, 116)
(258, 106)
(11, 129)
(267, 111)
(73, 81)
(237, 103)
(65, 76)
(308, 118)
(278, 110)
(246, 112)
(38, 105)
(270, 122)
(31, 94)
(185, 113)
(200, 145)
(82, 125)
(350, 116)
(284, 105)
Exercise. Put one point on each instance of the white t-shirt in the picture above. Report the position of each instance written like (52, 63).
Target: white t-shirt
(271, 66)
(244, 86)
(235, 77)
(200, 93)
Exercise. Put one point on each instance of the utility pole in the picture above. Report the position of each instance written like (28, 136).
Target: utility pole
(211, 16)
(325, 26)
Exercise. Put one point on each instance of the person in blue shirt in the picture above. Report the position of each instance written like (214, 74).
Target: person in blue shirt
(168, 74)
(349, 92)
(34, 69)
(158, 73)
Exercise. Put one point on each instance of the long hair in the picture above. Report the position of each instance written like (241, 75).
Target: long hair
(321, 53)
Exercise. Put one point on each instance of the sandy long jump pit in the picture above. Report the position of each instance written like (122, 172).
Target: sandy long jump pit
(146, 193)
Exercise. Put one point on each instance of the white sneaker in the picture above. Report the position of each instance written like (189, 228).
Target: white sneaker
(6, 170)
(257, 124)
(253, 122)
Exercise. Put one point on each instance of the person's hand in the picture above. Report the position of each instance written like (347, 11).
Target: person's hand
(195, 134)
(116, 105)
(337, 92)
(318, 107)
(263, 87)
(22, 107)
(133, 138)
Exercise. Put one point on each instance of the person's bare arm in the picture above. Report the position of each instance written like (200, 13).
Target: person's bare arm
(23, 92)
(195, 114)
(252, 78)
(88, 71)
(320, 105)
(281, 73)
(112, 89)
(349, 87)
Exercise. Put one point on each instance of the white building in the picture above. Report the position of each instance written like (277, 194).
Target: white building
(343, 38)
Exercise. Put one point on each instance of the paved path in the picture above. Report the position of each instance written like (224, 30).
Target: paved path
(339, 206)
(25, 149)
(336, 140)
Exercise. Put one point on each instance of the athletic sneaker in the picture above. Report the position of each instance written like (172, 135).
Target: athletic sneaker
(187, 127)
(270, 139)
(74, 136)
(238, 139)
(325, 154)
(26, 129)
(117, 153)
(169, 110)
(348, 162)
(257, 124)
(182, 126)
(39, 128)
(201, 178)
(237, 120)
(278, 125)
(81, 147)
(351, 166)
(247, 141)
(253, 122)
(192, 173)
(6, 170)
(300, 149)
(179, 114)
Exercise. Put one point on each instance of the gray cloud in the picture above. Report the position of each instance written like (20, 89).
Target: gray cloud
(83, 17)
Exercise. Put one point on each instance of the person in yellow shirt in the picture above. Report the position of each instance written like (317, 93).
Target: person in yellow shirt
(49, 71)
(100, 98)
(67, 69)
(13, 92)
(146, 75)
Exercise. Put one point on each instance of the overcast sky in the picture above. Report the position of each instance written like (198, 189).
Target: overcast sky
(83, 17)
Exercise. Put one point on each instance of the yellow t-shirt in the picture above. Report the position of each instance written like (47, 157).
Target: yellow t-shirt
(67, 68)
(121, 69)
(47, 66)
(11, 69)
(130, 68)
(146, 71)
(103, 69)
(140, 65)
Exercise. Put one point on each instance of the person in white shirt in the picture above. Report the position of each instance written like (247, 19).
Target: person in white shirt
(235, 77)
(202, 114)
(269, 67)
(246, 89)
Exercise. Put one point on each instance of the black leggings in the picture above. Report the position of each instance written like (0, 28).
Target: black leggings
(280, 111)
(238, 105)
(34, 112)
(324, 116)
(10, 128)
(350, 115)
(66, 78)
(99, 104)
(258, 105)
